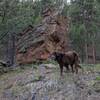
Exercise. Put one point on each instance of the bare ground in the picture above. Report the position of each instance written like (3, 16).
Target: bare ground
(45, 83)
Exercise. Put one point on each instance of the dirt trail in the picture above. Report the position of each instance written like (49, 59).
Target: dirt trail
(45, 83)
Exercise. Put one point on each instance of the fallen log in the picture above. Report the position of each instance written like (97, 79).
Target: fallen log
(4, 63)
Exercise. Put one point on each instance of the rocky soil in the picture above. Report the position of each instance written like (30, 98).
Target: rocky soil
(44, 82)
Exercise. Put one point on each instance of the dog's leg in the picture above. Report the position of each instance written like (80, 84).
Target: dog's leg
(72, 68)
(67, 67)
(76, 68)
(61, 69)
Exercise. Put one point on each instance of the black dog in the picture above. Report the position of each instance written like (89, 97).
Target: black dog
(65, 59)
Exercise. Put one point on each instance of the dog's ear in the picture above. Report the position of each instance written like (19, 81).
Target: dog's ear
(54, 53)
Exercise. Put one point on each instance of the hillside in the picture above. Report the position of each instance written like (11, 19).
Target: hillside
(43, 82)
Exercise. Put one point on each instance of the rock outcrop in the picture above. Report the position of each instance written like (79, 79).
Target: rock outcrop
(36, 43)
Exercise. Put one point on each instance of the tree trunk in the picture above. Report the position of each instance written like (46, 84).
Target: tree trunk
(93, 52)
(10, 59)
(86, 52)
(82, 56)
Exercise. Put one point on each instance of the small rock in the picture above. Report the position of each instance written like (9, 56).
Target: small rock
(97, 87)
(48, 66)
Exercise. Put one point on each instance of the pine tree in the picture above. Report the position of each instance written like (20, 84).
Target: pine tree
(83, 25)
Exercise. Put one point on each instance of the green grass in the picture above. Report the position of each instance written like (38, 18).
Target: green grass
(97, 67)
(50, 61)
(98, 78)
(18, 69)
(94, 67)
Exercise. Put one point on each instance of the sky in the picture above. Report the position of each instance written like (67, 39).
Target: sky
(65, 0)
(68, 1)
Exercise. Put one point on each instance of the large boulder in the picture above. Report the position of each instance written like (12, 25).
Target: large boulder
(37, 43)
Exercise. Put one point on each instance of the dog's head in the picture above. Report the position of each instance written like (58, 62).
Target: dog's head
(53, 55)
(56, 56)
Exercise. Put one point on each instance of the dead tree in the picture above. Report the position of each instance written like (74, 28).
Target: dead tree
(10, 53)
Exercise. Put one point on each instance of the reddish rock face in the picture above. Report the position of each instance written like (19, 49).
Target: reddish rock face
(39, 42)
